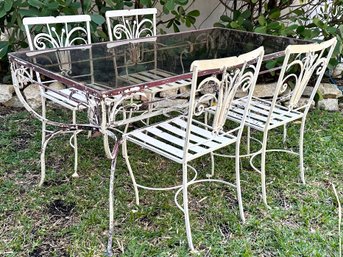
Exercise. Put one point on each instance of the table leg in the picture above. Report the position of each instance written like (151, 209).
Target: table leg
(111, 197)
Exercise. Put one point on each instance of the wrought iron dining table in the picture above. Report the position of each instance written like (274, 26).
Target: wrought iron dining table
(102, 76)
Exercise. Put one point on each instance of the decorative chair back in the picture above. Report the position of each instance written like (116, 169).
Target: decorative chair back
(57, 32)
(303, 66)
(234, 73)
(53, 35)
(131, 24)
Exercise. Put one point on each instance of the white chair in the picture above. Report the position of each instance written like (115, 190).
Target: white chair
(302, 64)
(186, 137)
(131, 24)
(57, 32)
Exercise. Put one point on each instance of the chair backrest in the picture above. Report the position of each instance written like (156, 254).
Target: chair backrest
(303, 66)
(56, 32)
(235, 73)
(130, 24)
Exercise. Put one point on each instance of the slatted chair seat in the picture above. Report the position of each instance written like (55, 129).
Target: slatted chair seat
(69, 98)
(259, 111)
(153, 75)
(167, 139)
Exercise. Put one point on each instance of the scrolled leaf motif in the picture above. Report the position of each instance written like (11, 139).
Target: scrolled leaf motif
(207, 98)
(119, 105)
(246, 80)
(23, 76)
(132, 31)
(63, 40)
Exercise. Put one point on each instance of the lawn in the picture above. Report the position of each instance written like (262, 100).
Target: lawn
(69, 217)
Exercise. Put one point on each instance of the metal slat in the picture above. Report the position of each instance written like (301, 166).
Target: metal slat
(193, 137)
(176, 140)
(171, 150)
(201, 131)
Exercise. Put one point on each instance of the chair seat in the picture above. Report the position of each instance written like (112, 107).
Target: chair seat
(153, 75)
(168, 138)
(78, 100)
(259, 110)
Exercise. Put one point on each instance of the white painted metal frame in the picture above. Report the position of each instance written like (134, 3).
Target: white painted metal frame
(68, 36)
(311, 61)
(132, 23)
(185, 137)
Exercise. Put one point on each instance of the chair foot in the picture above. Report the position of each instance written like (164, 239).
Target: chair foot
(75, 175)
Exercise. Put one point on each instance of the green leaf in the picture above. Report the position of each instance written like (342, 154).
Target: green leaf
(246, 14)
(146, 2)
(261, 20)
(194, 13)
(274, 14)
(274, 25)
(170, 5)
(262, 29)
(98, 19)
(8, 5)
(3, 48)
(36, 3)
(2, 12)
(234, 24)
(52, 6)
(218, 24)
(271, 64)
(29, 13)
(225, 18)
(331, 30)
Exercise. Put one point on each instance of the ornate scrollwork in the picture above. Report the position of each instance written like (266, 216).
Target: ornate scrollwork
(123, 107)
(221, 92)
(133, 29)
(300, 71)
(22, 75)
(58, 40)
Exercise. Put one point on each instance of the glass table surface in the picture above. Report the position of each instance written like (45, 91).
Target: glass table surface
(110, 68)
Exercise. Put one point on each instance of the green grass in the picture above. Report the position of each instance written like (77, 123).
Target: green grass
(69, 217)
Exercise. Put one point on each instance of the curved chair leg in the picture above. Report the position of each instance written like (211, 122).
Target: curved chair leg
(301, 151)
(238, 184)
(126, 157)
(263, 168)
(75, 174)
(185, 205)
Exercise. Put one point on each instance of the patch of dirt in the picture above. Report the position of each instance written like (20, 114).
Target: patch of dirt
(4, 111)
(61, 209)
(55, 182)
(225, 230)
(50, 245)
(22, 142)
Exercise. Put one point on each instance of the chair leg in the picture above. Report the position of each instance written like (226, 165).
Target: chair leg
(210, 175)
(248, 140)
(301, 151)
(126, 157)
(284, 134)
(75, 174)
(238, 184)
(263, 168)
(185, 205)
(42, 155)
